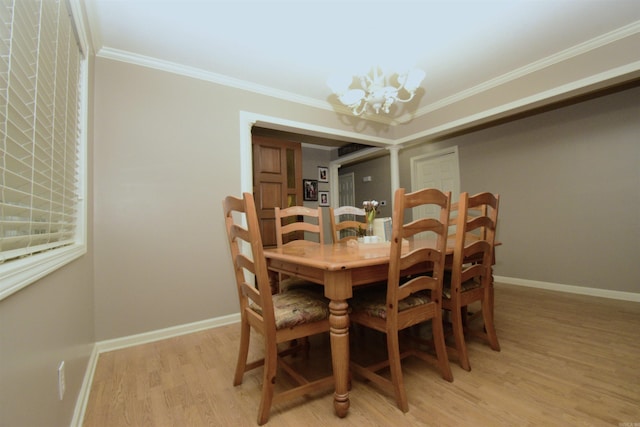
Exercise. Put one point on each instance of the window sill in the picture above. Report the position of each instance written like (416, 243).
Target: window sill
(17, 274)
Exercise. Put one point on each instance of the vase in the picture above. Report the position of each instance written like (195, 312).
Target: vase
(369, 228)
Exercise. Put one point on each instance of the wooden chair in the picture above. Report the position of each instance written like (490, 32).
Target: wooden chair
(471, 279)
(345, 224)
(407, 301)
(297, 225)
(293, 225)
(479, 233)
(279, 318)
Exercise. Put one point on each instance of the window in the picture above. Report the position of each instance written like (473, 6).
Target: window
(42, 164)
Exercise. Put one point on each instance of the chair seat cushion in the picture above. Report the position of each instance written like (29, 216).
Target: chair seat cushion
(298, 306)
(466, 286)
(295, 282)
(374, 302)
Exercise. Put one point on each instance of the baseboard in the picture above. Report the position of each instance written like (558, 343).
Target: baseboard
(602, 293)
(85, 389)
(161, 334)
(129, 341)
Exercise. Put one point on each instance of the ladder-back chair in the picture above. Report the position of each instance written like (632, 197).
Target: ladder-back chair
(347, 222)
(280, 318)
(298, 225)
(408, 301)
(471, 277)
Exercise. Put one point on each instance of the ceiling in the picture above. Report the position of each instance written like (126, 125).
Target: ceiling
(289, 49)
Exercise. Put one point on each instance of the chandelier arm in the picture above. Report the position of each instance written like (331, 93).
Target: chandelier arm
(411, 95)
(365, 82)
(401, 87)
(363, 108)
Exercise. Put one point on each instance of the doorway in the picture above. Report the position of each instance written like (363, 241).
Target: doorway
(277, 177)
(249, 120)
(346, 193)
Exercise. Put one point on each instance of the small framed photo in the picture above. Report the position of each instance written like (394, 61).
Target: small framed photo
(323, 174)
(324, 198)
(310, 190)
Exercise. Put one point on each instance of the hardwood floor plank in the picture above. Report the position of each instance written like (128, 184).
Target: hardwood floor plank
(566, 360)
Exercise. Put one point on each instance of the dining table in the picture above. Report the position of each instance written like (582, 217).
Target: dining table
(340, 267)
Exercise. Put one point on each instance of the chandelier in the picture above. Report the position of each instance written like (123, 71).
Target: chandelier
(376, 91)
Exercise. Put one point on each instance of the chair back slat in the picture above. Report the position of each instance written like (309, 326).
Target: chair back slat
(298, 226)
(245, 243)
(475, 247)
(298, 223)
(473, 229)
(484, 205)
(416, 284)
(346, 222)
(437, 227)
(423, 225)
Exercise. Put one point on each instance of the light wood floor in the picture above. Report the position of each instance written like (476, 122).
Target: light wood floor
(566, 360)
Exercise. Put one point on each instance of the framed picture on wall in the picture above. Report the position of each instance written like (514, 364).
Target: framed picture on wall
(324, 198)
(323, 174)
(310, 190)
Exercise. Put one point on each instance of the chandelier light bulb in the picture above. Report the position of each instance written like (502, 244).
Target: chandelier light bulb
(413, 79)
(339, 84)
(352, 97)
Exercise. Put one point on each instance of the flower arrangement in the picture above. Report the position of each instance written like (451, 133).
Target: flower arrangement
(370, 209)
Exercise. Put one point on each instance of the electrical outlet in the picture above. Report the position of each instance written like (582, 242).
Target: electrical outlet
(61, 380)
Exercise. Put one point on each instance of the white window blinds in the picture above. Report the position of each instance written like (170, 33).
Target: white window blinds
(39, 127)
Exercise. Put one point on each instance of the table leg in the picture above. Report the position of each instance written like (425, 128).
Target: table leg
(339, 329)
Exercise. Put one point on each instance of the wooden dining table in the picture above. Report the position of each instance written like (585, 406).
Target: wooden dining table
(339, 268)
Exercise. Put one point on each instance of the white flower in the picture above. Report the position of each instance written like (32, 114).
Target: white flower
(370, 204)
(370, 208)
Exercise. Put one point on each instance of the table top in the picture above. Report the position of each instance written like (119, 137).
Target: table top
(343, 256)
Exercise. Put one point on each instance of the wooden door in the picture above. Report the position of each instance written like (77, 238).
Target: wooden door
(277, 180)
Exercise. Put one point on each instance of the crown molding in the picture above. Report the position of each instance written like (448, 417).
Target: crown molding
(462, 96)
(197, 73)
(557, 58)
(521, 104)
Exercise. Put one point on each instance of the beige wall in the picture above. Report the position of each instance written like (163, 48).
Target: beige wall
(167, 153)
(41, 325)
(165, 157)
(569, 182)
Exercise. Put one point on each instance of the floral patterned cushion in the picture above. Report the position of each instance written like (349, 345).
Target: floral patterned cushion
(466, 286)
(297, 306)
(295, 282)
(374, 302)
